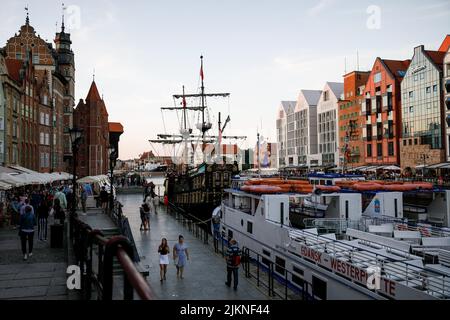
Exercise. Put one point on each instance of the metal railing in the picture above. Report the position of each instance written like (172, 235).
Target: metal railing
(85, 241)
(200, 229)
(275, 278)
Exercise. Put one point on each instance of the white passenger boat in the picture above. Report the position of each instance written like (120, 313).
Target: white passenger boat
(364, 257)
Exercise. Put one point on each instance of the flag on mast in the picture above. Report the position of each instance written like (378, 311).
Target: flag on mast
(201, 72)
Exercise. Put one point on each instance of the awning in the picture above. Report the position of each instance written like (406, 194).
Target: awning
(420, 166)
(445, 166)
(94, 179)
(5, 186)
(437, 165)
(391, 168)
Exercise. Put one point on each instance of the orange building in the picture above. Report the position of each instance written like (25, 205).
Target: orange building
(382, 111)
(351, 121)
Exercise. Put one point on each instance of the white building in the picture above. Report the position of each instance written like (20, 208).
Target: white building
(447, 100)
(328, 124)
(297, 130)
(285, 111)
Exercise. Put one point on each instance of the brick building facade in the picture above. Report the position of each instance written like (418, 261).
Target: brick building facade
(41, 86)
(351, 121)
(92, 117)
(382, 111)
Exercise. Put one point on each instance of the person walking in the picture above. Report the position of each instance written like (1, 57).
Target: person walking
(26, 231)
(180, 255)
(104, 197)
(58, 212)
(42, 214)
(83, 198)
(61, 197)
(233, 258)
(163, 251)
(145, 216)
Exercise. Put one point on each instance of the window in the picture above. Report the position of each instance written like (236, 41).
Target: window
(249, 227)
(435, 88)
(42, 118)
(18, 56)
(369, 150)
(326, 95)
(35, 58)
(411, 109)
(411, 94)
(428, 90)
(280, 265)
(391, 148)
(2, 126)
(41, 138)
(377, 77)
(47, 139)
(416, 77)
(319, 288)
(47, 119)
(379, 149)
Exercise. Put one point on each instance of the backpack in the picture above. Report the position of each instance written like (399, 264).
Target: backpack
(146, 207)
(235, 258)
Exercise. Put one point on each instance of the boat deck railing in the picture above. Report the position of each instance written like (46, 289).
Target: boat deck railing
(339, 226)
(396, 265)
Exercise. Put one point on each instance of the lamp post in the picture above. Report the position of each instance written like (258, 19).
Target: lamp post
(424, 158)
(112, 163)
(75, 139)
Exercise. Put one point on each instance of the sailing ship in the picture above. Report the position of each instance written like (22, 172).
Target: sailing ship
(198, 188)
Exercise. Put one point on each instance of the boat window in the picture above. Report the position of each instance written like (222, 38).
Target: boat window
(298, 270)
(319, 288)
(297, 280)
(242, 222)
(346, 209)
(265, 252)
(280, 265)
(282, 212)
(249, 227)
(230, 235)
(395, 208)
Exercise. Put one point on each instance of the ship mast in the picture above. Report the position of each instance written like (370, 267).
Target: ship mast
(204, 129)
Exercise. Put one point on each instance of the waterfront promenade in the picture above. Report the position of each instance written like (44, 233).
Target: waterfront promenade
(205, 273)
(41, 277)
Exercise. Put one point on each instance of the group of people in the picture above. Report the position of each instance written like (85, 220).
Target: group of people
(31, 208)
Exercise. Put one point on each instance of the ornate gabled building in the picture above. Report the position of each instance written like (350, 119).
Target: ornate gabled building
(91, 116)
(43, 114)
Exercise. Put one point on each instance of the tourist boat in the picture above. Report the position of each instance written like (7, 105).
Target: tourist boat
(196, 187)
(332, 257)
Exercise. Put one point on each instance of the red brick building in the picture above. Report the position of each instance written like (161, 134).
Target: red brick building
(351, 120)
(382, 110)
(46, 79)
(91, 116)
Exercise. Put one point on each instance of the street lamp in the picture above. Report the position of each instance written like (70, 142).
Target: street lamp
(75, 140)
(112, 163)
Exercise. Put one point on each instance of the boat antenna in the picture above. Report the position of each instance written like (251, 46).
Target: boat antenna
(257, 153)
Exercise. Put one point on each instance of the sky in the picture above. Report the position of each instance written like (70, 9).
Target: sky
(260, 51)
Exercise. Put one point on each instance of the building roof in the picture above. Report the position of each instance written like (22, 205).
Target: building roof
(14, 67)
(287, 104)
(93, 94)
(394, 66)
(337, 88)
(437, 57)
(445, 44)
(147, 155)
(312, 96)
(115, 127)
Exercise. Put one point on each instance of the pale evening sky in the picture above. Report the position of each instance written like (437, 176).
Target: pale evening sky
(261, 51)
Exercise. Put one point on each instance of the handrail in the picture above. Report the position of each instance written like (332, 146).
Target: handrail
(135, 278)
(84, 237)
(246, 255)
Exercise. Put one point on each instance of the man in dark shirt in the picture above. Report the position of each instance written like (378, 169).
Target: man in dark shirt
(104, 198)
